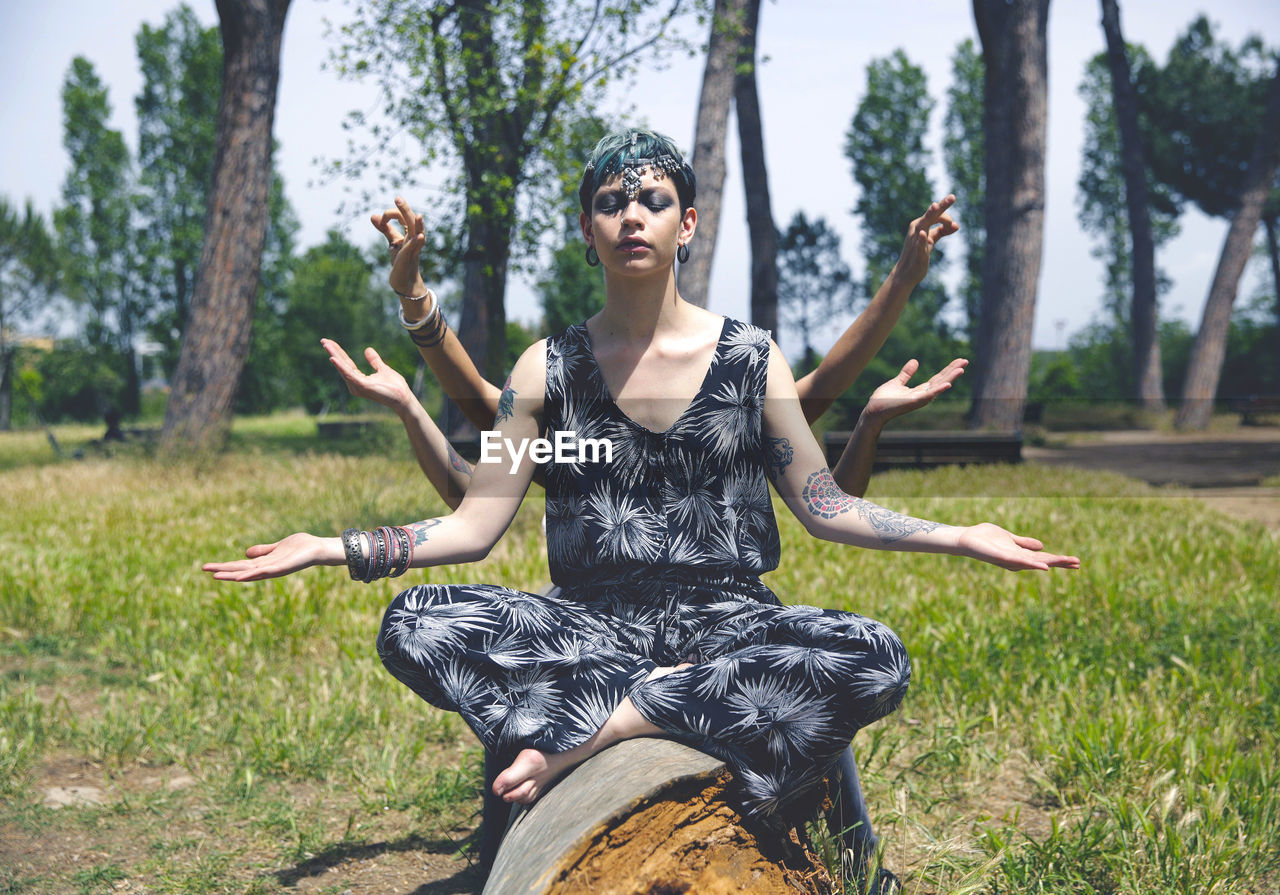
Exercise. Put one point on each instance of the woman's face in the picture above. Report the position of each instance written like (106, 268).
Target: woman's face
(640, 235)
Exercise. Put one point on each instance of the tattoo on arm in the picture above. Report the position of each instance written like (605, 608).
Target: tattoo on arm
(458, 463)
(505, 403)
(778, 454)
(824, 498)
(418, 531)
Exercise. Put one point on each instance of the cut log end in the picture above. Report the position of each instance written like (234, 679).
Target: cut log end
(649, 816)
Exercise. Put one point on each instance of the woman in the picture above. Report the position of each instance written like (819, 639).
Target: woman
(663, 626)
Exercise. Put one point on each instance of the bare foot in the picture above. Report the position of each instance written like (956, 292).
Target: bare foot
(533, 771)
(664, 670)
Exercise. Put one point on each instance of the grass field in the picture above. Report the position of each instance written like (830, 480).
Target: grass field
(1107, 731)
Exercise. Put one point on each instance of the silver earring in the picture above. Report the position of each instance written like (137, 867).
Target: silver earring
(682, 252)
(593, 260)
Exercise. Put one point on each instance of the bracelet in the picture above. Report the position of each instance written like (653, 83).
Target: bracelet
(433, 307)
(432, 339)
(377, 555)
(406, 552)
(357, 565)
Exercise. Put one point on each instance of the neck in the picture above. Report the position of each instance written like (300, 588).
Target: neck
(637, 308)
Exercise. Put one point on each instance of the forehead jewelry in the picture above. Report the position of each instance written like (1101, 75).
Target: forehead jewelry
(634, 168)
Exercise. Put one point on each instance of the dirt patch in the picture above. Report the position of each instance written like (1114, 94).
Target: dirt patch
(1226, 470)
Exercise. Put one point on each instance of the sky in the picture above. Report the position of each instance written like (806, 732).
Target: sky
(814, 52)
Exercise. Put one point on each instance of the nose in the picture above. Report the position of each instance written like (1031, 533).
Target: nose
(631, 213)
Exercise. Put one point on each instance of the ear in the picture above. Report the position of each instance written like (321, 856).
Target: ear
(688, 224)
(584, 221)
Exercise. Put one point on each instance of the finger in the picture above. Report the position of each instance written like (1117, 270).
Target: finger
(908, 370)
(374, 359)
(260, 550)
(386, 223)
(935, 212)
(410, 220)
(1028, 543)
(336, 351)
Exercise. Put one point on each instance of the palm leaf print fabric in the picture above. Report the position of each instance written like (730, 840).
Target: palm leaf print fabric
(657, 557)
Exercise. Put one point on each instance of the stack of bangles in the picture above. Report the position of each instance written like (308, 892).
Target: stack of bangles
(429, 331)
(390, 550)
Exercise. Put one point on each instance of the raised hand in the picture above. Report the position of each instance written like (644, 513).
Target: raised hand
(406, 239)
(385, 385)
(284, 557)
(993, 544)
(922, 235)
(896, 397)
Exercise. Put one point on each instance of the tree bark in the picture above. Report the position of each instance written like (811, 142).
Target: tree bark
(755, 179)
(1273, 253)
(216, 341)
(1210, 347)
(1148, 383)
(1014, 49)
(708, 145)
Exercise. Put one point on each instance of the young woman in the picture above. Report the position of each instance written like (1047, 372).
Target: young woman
(662, 626)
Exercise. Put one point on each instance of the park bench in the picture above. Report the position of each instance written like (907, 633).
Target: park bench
(1252, 407)
(925, 449)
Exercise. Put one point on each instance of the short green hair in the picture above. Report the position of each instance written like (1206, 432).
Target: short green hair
(625, 148)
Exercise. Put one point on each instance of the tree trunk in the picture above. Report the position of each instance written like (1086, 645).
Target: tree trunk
(1273, 253)
(482, 328)
(216, 341)
(1210, 348)
(708, 145)
(755, 179)
(6, 386)
(1014, 121)
(1142, 317)
(648, 816)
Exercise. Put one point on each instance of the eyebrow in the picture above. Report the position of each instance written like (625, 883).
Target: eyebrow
(647, 193)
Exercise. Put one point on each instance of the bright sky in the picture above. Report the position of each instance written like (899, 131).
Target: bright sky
(816, 54)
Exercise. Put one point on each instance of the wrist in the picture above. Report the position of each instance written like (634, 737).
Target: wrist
(332, 552)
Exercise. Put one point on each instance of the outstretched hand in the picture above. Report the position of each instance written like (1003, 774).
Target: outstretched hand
(993, 544)
(284, 557)
(385, 386)
(896, 397)
(922, 235)
(406, 238)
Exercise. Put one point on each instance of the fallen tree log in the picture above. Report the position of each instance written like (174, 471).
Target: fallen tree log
(648, 817)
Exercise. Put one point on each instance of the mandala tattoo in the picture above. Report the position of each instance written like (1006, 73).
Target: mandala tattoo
(779, 454)
(824, 498)
(458, 463)
(506, 403)
(418, 530)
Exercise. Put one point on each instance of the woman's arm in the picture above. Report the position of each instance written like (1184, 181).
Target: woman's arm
(465, 535)
(449, 362)
(890, 400)
(448, 472)
(866, 335)
(806, 484)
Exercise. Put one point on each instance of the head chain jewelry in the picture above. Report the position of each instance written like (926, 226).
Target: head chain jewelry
(635, 168)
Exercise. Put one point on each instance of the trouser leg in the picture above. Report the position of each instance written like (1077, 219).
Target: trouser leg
(849, 820)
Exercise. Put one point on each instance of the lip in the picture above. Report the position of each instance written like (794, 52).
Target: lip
(632, 244)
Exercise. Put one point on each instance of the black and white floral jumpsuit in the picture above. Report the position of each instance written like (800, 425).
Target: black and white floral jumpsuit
(657, 555)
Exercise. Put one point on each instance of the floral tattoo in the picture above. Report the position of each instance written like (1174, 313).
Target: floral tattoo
(824, 498)
(418, 530)
(460, 465)
(506, 402)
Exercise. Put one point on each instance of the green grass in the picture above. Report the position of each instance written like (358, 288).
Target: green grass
(1105, 731)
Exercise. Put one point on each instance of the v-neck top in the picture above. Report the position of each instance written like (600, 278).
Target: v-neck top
(687, 504)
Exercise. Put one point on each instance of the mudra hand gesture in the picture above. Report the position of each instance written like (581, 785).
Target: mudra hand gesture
(896, 397)
(922, 235)
(406, 238)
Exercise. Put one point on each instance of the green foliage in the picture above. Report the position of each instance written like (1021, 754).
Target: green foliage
(570, 291)
(493, 92)
(1202, 113)
(27, 276)
(964, 151)
(885, 144)
(177, 106)
(77, 381)
(814, 283)
(96, 226)
(1103, 211)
